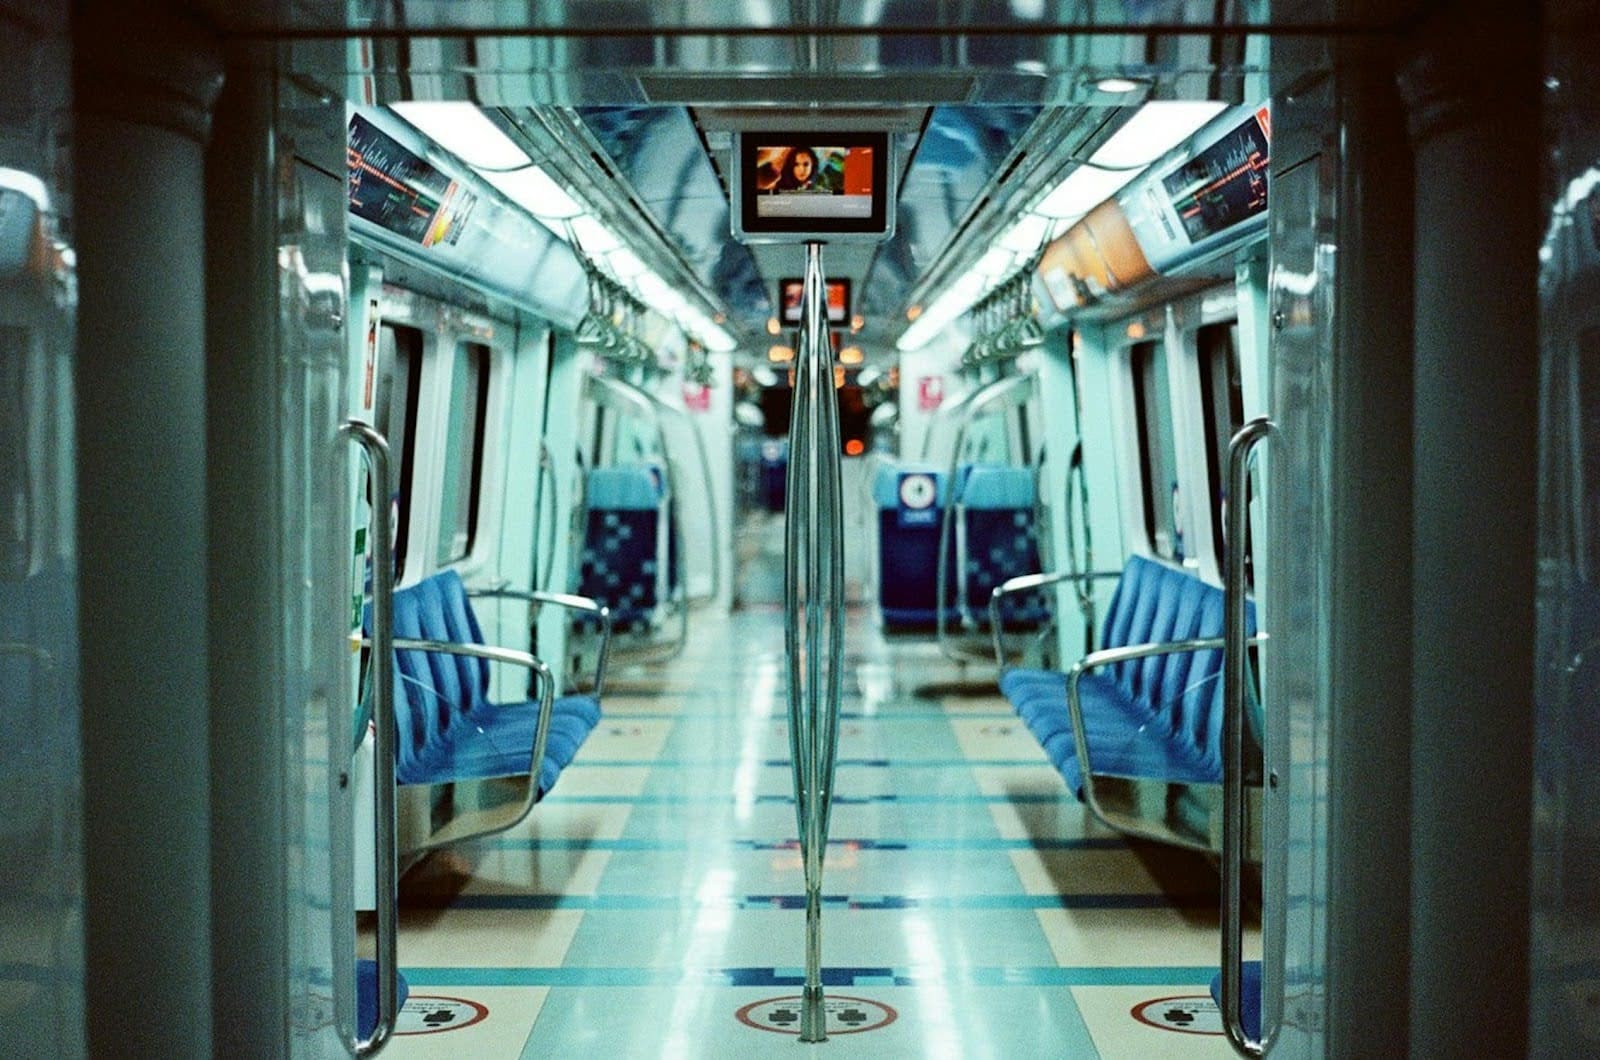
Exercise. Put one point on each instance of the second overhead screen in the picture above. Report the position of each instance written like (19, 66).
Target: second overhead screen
(789, 294)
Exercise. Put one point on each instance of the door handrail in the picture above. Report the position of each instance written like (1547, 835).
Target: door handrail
(386, 882)
(1234, 662)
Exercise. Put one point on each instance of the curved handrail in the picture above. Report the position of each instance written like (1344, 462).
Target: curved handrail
(1027, 582)
(572, 602)
(1001, 393)
(386, 875)
(1233, 700)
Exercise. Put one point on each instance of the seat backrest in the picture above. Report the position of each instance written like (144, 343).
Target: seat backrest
(438, 687)
(621, 542)
(1157, 603)
(999, 535)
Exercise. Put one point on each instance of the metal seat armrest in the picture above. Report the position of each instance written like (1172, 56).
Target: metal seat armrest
(547, 681)
(1105, 657)
(572, 602)
(1024, 583)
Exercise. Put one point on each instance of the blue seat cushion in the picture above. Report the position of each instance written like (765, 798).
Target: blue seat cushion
(1249, 1002)
(367, 996)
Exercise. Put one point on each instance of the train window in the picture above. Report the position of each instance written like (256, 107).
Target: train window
(395, 415)
(1223, 403)
(463, 454)
(1158, 451)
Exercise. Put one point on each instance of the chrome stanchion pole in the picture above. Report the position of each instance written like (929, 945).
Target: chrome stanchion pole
(814, 599)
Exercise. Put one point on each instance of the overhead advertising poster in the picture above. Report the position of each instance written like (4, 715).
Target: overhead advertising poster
(393, 188)
(1224, 184)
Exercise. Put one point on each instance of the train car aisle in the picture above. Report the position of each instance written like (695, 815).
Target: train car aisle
(651, 906)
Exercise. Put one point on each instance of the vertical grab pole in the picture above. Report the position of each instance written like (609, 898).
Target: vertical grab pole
(814, 613)
(1233, 707)
(376, 450)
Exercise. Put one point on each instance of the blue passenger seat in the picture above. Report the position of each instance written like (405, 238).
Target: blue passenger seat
(367, 996)
(1157, 717)
(997, 542)
(1249, 1000)
(448, 730)
(622, 545)
(910, 500)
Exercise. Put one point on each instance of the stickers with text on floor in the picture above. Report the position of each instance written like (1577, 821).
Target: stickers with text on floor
(423, 1014)
(1197, 1014)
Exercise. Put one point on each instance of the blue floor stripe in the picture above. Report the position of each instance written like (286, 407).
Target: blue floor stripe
(953, 843)
(1020, 976)
(838, 800)
(843, 763)
(888, 714)
(869, 903)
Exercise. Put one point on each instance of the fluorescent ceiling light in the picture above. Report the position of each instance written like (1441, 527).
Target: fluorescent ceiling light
(994, 264)
(537, 192)
(1027, 235)
(595, 238)
(464, 131)
(1084, 189)
(1154, 129)
(1116, 86)
(624, 264)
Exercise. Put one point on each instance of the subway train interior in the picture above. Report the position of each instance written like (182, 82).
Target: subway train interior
(895, 528)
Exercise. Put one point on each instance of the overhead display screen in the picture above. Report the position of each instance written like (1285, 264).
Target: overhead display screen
(392, 187)
(791, 290)
(1224, 184)
(813, 184)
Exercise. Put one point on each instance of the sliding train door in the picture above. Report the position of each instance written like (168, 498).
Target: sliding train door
(1333, 577)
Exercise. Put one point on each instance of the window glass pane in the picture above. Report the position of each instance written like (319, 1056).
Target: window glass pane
(463, 454)
(1158, 459)
(1223, 401)
(395, 412)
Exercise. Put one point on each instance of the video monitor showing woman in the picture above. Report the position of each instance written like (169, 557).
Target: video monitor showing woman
(826, 183)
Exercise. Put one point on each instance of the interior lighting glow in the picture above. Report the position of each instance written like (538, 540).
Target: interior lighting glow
(464, 131)
(913, 312)
(851, 355)
(994, 264)
(537, 192)
(1085, 188)
(1116, 86)
(624, 264)
(1027, 235)
(854, 447)
(780, 355)
(1155, 129)
(773, 327)
(717, 340)
(595, 238)
(857, 322)
(1136, 330)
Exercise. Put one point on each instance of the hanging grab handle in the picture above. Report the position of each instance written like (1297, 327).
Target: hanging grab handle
(1234, 674)
(376, 451)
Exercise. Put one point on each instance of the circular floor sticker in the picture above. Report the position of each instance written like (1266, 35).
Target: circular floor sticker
(1185, 1015)
(422, 1014)
(844, 1015)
